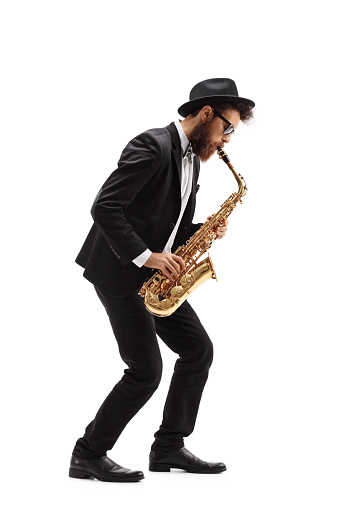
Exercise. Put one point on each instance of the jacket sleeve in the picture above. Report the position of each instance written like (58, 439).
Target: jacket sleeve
(138, 163)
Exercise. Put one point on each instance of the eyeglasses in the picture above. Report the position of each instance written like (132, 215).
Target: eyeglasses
(230, 129)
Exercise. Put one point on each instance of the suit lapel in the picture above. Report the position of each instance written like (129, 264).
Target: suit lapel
(178, 159)
(196, 168)
(191, 201)
(177, 148)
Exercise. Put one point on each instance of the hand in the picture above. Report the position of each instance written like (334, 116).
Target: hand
(221, 230)
(170, 264)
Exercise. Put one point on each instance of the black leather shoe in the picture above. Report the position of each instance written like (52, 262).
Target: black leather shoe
(103, 469)
(184, 459)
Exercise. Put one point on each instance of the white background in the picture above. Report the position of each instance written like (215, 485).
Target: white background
(79, 80)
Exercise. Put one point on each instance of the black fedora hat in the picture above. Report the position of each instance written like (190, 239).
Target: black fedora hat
(212, 91)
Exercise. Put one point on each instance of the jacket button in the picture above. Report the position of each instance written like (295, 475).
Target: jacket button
(171, 226)
(158, 250)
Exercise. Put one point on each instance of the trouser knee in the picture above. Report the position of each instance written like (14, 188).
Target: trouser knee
(205, 355)
(146, 378)
(154, 375)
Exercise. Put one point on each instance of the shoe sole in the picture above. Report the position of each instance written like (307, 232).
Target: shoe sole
(82, 474)
(162, 467)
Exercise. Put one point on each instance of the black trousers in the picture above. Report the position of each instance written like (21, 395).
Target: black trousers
(135, 330)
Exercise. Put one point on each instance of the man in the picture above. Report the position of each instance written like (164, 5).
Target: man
(141, 215)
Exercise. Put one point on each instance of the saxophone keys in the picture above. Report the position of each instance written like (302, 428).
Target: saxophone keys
(177, 291)
(187, 280)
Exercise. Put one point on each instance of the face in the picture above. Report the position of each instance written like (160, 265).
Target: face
(209, 135)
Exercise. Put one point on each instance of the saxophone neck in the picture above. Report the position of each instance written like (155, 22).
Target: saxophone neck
(241, 183)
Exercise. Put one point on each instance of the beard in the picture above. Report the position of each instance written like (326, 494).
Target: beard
(200, 141)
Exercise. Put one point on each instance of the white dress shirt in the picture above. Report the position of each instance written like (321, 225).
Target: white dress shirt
(186, 187)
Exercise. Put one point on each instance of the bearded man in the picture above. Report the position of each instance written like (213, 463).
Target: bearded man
(142, 213)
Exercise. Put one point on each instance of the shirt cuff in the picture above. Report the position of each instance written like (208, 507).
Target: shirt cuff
(142, 258)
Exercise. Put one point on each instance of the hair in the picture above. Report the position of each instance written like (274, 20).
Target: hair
(245, 110)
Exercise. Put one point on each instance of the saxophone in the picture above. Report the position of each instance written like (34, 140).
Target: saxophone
(162, 296)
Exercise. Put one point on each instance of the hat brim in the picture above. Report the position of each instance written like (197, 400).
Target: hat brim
(190, 106)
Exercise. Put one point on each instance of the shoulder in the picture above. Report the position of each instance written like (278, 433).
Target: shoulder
(158, 135)
(152, 143)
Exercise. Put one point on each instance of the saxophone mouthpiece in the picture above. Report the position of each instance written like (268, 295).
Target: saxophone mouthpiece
(223, 155)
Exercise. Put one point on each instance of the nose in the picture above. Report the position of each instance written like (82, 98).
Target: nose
(227, 138)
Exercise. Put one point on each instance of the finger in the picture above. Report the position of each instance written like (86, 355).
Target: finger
(169, 270)
(173, 268)
(219, 234)
(168, 274)
(173, 263)
(180, 261)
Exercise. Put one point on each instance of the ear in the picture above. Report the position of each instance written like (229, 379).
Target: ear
(206, 114)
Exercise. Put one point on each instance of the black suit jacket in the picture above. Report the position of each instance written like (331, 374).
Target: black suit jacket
(136, 208)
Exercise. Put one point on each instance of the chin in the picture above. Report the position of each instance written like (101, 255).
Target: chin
(206, 152)
(209, 155)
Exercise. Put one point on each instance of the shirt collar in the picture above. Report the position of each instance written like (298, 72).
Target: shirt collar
(182, 135)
